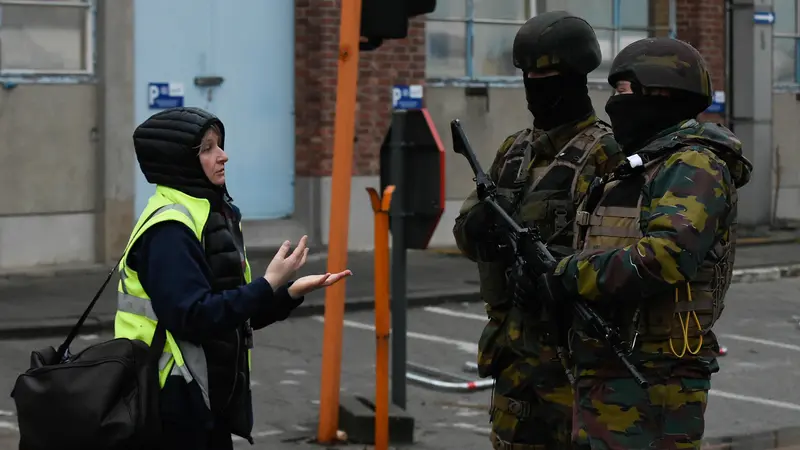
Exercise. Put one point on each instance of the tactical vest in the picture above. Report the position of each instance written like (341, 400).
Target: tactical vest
(548, 201)
(686, 313)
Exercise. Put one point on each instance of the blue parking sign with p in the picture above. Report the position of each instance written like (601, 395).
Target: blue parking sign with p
(407, 97)
(164, 95)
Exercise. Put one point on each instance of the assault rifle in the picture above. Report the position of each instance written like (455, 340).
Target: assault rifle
(530, 253)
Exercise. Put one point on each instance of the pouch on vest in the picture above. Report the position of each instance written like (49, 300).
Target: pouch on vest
(105, 397)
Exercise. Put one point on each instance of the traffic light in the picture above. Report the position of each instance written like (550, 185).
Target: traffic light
(388, 19)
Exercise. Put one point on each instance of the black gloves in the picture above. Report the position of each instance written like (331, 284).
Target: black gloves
(550, 289)
(488, 233)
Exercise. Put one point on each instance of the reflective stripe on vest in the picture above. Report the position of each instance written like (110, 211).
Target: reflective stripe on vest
(194, 357)
(195, 366)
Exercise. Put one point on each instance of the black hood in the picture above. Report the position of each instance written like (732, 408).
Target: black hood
(167, 146)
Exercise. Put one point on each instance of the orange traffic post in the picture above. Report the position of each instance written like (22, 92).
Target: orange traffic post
(343, 138)
(380, 206)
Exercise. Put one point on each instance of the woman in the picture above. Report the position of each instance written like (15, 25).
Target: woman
(186, 267)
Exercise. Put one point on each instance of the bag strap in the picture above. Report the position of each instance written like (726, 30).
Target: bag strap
(62, 350)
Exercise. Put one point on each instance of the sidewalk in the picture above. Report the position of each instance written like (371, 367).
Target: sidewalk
(50, 305)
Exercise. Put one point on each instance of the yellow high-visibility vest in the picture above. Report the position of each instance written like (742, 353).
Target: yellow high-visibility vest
(135, 318)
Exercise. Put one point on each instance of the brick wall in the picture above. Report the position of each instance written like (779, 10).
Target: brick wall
(702, 24)
(316, 50)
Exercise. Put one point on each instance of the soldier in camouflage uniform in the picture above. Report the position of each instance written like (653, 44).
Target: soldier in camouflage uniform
(541, 174)
(657, 241)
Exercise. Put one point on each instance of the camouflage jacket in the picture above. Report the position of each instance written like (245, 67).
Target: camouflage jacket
(539, 200)
(673, 237)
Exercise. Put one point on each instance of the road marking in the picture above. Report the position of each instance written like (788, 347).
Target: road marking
(267, 433)
(476, 428)
(758, 400)
(734, 337)
(451, 313)
(737, 337)
(722, 394)
(8, 425)
(467, 347)
(258, 434)
(6, 413)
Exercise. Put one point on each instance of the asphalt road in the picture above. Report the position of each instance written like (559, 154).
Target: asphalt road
(755, 390)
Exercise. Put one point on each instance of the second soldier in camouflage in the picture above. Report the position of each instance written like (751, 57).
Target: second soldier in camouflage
(658, 252)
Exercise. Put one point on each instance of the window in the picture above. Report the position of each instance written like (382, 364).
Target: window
(472, 39)
(785, 48)
(46, 37)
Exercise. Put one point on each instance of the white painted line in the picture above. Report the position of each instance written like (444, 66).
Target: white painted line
(8, 425)
(267, 433)
(758, 400)
(467, 347)
(292, 382)
(476, 428)
(6, 413)
(472, 347)
(258, 434)
(451, 313)
(737, 337)
(734, 337)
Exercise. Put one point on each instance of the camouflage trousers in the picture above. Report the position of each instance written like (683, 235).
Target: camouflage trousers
(616, 414)
(532, 406)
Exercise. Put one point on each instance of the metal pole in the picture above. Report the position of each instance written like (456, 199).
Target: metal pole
(398, 280)
(380, 207)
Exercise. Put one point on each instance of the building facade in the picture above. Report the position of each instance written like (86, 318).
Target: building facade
(77, 76)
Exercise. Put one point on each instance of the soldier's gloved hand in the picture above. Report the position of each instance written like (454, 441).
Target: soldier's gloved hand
(524, 283)
(550, 289)
(488, 234)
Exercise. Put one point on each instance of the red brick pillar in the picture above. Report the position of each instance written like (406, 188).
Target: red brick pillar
(316, 50)
(702, 24)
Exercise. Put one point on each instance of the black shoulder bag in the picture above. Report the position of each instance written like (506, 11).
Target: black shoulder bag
(105, 397)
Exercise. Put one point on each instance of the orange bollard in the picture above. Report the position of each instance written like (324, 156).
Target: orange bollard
(344, 132)
(380, 206)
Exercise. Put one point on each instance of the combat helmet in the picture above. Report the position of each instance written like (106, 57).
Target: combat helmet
(556, 40)
(664, 63)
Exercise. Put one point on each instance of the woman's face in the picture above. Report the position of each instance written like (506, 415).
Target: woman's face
(213, 158)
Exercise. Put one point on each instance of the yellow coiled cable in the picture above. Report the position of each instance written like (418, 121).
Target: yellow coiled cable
(685, 326)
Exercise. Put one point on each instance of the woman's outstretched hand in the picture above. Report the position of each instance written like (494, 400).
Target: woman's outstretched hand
(284, 265)
(309, 283)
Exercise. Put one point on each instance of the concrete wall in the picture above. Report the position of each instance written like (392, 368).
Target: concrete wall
(67, 172)
(48, 146)
(786, 142)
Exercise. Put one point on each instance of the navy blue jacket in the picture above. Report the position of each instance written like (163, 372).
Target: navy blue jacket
(173, 271)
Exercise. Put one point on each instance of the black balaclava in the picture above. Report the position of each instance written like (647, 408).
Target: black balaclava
(557, 99)
(637, 118)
